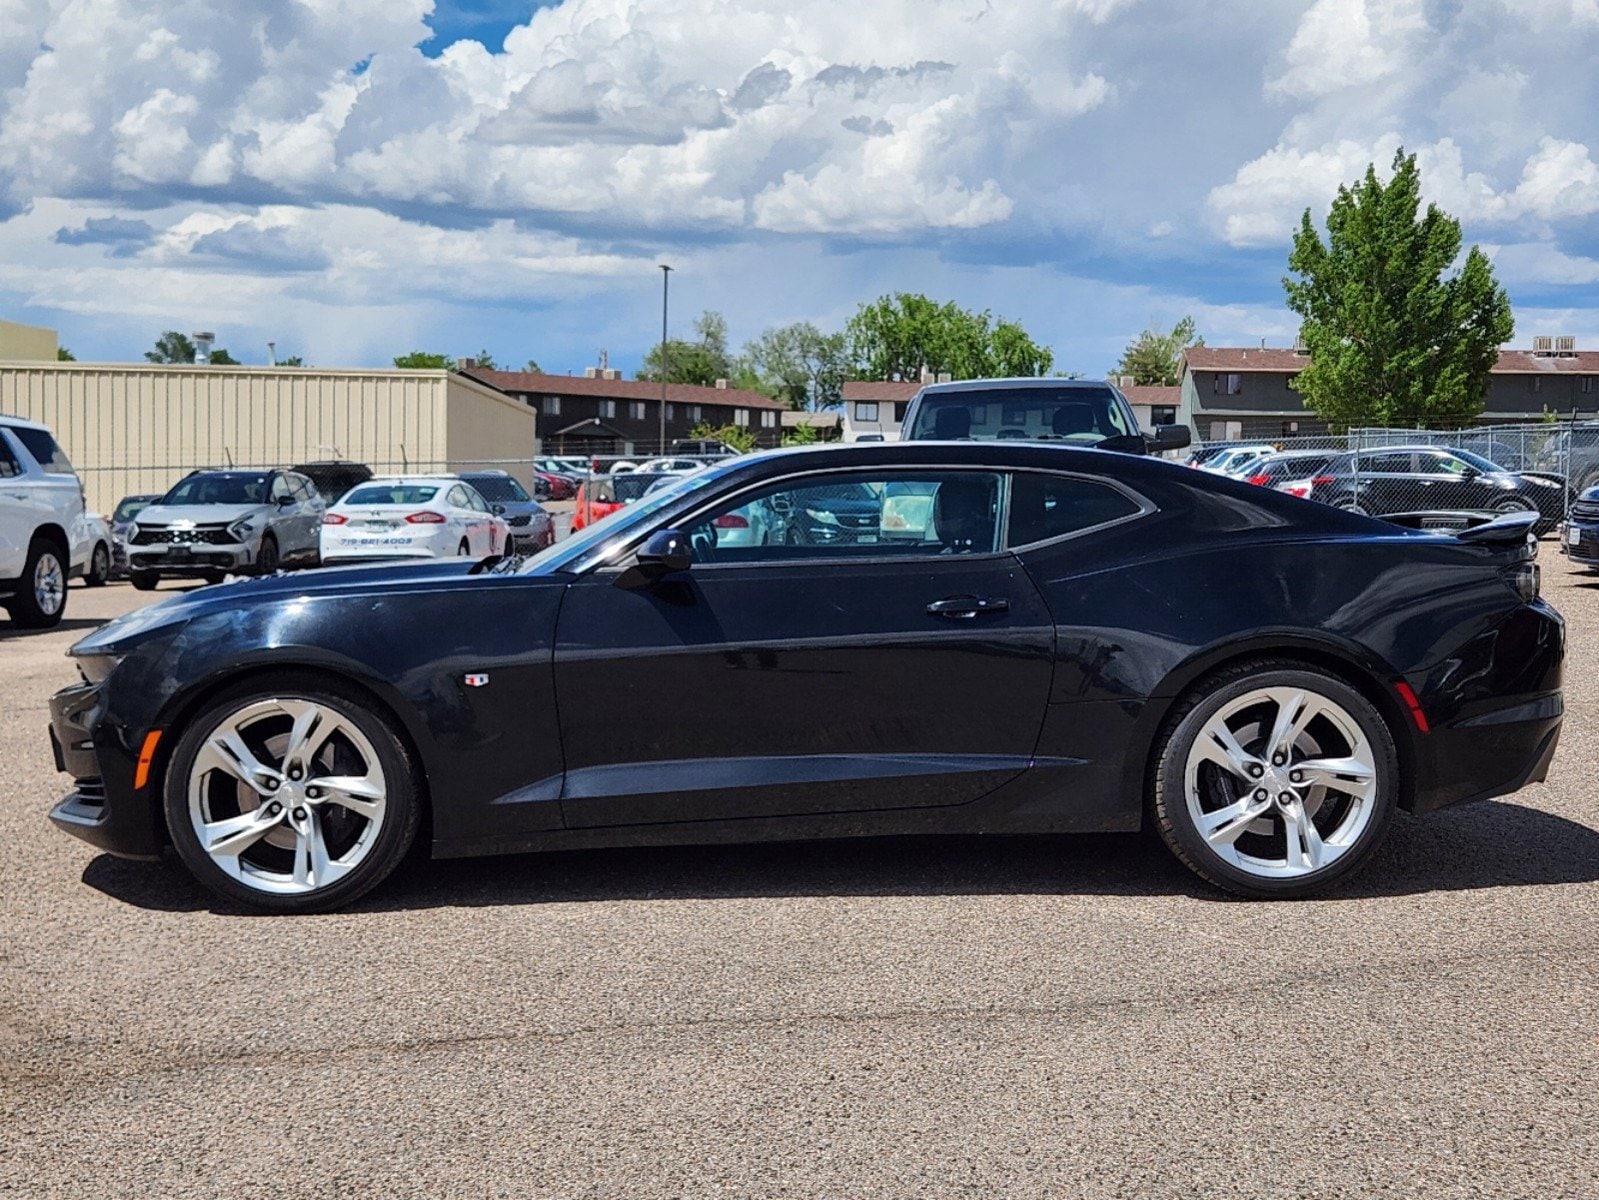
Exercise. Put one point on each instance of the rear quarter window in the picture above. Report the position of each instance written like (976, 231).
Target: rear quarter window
(45, 452)
(1051, 506)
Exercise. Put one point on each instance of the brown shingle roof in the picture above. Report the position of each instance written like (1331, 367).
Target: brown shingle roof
(1511, 362)
(621, 389)
(893, 390)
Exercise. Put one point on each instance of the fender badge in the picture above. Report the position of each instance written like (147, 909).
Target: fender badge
(476, 679)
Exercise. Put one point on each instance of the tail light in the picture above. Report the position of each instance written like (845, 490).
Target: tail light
(425, 518)
(1321, 481)
(731, 521)
(335, 519)
(1524, 579)
(1258, 480)
(1302, 490)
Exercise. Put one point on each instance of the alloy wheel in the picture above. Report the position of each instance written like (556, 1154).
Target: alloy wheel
(49, 584)
(287, 796)
(1281, 782)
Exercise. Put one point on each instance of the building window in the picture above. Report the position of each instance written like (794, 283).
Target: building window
(866, 410)
(671, 412)
(1293, 382)
(638, 410)
(695, 413)
(1534, 384)
(1163, 414)
(768, 419)
(741, 416)
(608, 408)
(899, 411)
(1228, 385)
(1587, 384)
(552, 406)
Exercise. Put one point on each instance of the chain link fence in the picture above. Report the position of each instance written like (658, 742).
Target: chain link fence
(1539, 467)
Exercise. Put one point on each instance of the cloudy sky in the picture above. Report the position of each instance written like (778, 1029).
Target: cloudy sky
(356, 178)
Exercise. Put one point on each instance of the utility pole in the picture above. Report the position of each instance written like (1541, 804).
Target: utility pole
(666, 365)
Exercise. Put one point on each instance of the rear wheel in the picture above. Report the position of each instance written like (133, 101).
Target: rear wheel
(1274, 780)
(1514, 504)
(99, 566)
(41, 595)
(1354, 506)
(291, 796)
(266, 562)
(144, 581)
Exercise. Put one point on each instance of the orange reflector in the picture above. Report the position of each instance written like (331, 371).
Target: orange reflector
(141, 773)
(1409, 697)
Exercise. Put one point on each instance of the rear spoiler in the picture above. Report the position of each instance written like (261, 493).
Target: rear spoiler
(1478, 528)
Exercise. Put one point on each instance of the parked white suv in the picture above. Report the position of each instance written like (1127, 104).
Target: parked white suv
(44, 539)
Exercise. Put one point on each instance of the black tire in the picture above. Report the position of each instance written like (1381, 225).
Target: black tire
(464, 549)
(1514, 504)
(215, 576)
(144, 581)
(1174, 822)
(99, 571)
(404, 802)
(1354, 506)
(267, 561)
(26, 610)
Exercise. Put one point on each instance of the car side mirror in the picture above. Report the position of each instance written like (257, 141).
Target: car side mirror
(285, 501)
(499, 509)
(1172, 437)
(665, 551)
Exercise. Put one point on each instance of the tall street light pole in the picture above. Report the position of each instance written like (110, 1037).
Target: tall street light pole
(666, 365)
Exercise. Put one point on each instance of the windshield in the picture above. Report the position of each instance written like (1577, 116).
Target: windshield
(392, 493)
(220, 487)
(1084, 416)
(628, 488)
(617, 526)
(1478, 461)
(497, 489)
(131, 507)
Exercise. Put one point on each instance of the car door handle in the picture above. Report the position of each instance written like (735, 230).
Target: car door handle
(962, 608)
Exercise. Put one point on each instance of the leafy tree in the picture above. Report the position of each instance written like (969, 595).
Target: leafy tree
(293, 360)
(221, 358)
(171, 347)
(65, 355)
(801, 435)
(485, 360)
(702, 361)
(533, 368)
(421, 360)
(898, 336)
(799, 364)
(739, 437)
(1151, 358)
(1392, 340)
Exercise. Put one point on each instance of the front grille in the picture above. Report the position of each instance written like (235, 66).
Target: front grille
(519, 521)
(861, 522)
(1585, 510)
(204, 536)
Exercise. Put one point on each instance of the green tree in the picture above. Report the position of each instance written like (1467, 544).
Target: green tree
(485, 360)
(739, 437)
(799, 364)
(702, 361)
(65, 355)
(899, 336)
(171, 347)
(221, 358)
(801, 435)
(293, 360)
(421, 360)
(533, 368)
(1152, 357)
(1392, 339)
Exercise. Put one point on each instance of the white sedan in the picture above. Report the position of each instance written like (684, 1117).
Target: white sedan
(411, 517)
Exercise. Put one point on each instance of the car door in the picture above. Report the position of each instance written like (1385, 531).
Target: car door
(311, 510)
(19, 512)
(791, 679)
(483, 523)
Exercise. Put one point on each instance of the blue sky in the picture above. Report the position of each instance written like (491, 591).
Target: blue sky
(357, 178)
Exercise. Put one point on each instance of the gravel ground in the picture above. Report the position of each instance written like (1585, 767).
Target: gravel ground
(1039, 1017)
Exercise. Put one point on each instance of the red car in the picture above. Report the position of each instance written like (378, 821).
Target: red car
(599, 498)
(557, 487)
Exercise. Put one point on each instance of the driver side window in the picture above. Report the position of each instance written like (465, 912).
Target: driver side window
(862, 515)
(280, 489)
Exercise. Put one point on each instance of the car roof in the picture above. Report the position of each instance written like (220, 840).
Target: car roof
(391, 480)
(11, 422)
(957, 386)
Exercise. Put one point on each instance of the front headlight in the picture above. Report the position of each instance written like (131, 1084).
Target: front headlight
(242, 529)
(95, 668)
(821, 516)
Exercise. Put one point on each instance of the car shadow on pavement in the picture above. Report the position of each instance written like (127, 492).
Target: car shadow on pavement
(65, 625)
(1482, 846)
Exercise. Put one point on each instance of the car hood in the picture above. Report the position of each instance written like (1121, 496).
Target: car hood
(200, 514)
(284, 588)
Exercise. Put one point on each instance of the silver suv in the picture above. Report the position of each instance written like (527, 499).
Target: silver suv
(216, 522)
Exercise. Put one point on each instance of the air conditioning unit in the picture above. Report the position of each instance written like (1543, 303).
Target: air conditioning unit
(610, 373)
(591, 372)
(1566, 344)
(1299, 345)
(1543, 344)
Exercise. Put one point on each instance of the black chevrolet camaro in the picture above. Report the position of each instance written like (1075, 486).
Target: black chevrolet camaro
(1053, 639)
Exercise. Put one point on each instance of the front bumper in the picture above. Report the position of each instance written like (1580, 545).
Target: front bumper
(198, 559)
(1586, 548)
(103, 807)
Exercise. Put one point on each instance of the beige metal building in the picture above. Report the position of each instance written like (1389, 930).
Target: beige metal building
(138, 428)
(28, 343)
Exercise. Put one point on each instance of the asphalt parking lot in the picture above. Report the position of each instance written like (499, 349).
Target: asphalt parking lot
(1050, 1016)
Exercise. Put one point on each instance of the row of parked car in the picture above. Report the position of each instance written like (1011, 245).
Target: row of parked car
(1392, 480)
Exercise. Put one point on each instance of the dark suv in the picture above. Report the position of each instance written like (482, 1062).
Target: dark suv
(1077, 412)
(1402, 479)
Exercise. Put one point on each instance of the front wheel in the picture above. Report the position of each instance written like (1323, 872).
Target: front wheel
(1273, 780)
(41, 595)
(291, 796)
(266, 562)
(143, 581)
